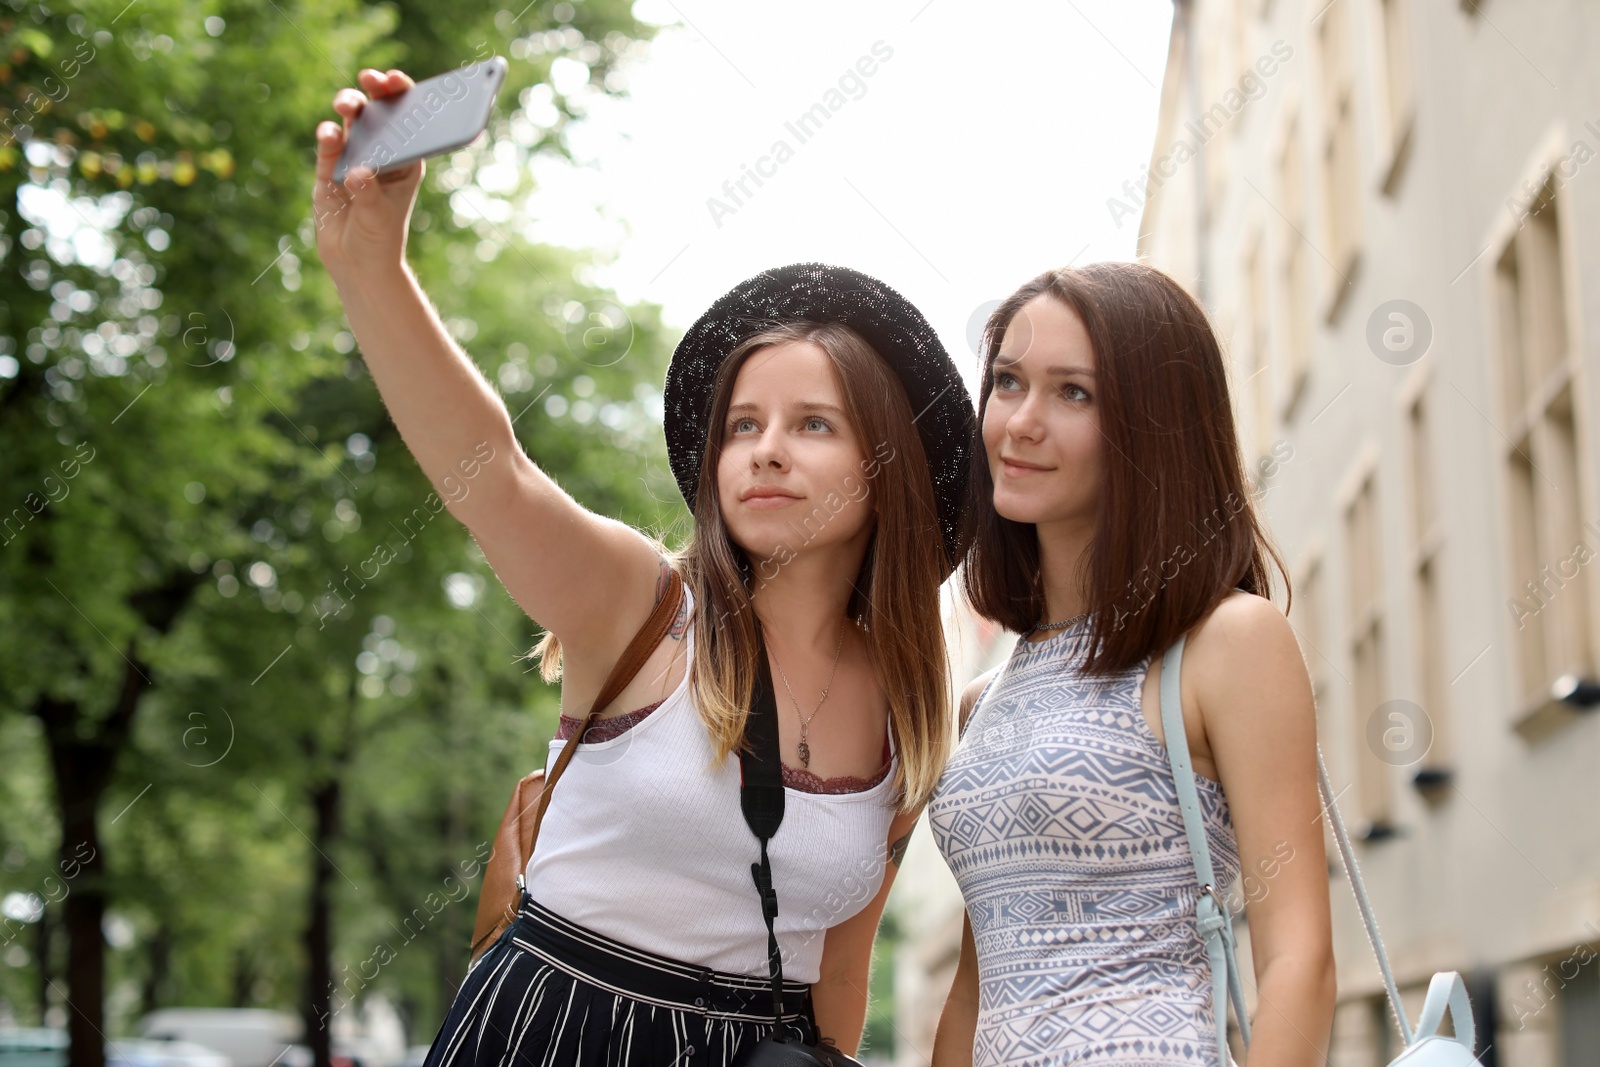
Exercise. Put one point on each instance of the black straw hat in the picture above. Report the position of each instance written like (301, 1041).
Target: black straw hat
(816, 292)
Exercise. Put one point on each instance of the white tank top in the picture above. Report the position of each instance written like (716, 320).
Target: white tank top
(644, 841)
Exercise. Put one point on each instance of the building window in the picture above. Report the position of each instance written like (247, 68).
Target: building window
(1212, 116)
(1306, 615)
(1305, 612)
(1427, 536)
(1362, 1033)
(1340, 175)
(1399, 98)
(1366, 638)
(1580, 1018)
(1257, 392)
(1550, 609)
(1295, 280)
(1243, 33)
(1382, 1030)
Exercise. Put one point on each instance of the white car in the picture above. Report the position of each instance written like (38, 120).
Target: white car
(146, 1052)
(35, 1046)
(248, 1037)
(47, 1047)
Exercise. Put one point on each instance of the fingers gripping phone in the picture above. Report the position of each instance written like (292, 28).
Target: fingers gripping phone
(433, 116)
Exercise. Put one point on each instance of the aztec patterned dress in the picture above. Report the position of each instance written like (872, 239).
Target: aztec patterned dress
(1059, 817)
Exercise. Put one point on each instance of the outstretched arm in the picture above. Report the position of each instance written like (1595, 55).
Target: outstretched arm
(446, 412)
(587, 578)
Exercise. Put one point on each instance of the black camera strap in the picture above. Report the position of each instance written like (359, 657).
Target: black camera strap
(761, 798)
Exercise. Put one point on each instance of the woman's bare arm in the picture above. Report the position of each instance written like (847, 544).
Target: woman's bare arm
(1255, 697)
(958, 1023)
(567, 567)
(839, 996)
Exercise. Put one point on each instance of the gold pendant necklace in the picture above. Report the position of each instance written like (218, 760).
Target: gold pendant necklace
(805, 722)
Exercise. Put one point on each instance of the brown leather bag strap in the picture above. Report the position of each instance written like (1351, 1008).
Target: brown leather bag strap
(643, 644)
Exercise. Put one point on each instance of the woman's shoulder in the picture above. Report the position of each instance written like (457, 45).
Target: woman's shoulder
(974, 690)
(668, 567)
(1240, 616)
(1242, 636)
(686, 612)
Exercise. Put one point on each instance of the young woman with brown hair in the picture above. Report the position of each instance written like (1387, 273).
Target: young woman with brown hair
(819, 433)
(1113, 517)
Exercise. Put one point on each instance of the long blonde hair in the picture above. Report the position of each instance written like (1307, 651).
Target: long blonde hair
(896, 592)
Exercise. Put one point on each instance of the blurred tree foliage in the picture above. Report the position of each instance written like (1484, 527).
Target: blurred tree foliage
(879, 1034)
(261, 698)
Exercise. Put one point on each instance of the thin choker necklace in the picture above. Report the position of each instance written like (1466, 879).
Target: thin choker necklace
(1061, 625)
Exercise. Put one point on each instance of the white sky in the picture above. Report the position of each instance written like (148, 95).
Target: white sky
(982, 152)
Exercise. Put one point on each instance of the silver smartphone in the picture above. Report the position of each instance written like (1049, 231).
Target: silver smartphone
(433, 116)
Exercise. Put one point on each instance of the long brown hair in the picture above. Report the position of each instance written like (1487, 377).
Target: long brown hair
(1176, 528)
(896, 593)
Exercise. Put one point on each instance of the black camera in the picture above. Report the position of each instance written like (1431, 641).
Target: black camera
(796, 1044)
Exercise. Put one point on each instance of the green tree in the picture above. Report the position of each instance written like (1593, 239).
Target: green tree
(195, 465)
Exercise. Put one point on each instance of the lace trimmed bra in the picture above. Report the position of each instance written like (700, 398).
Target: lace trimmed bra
(793, 777)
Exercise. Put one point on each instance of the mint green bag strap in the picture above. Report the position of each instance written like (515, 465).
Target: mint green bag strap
(1447, 994)
(1216, 925)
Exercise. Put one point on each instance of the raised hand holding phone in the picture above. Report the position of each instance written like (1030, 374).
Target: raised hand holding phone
(445, 410)
(441, 114)
(547, 549)
(362, 221)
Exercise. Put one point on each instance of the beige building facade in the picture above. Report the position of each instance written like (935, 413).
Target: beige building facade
(1391, 210)
(1388, 208)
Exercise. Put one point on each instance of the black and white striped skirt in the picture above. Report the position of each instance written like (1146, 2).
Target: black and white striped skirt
(551, 993)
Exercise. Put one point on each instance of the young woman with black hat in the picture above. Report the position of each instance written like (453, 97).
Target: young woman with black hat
(1115, 530)
(819, 433)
